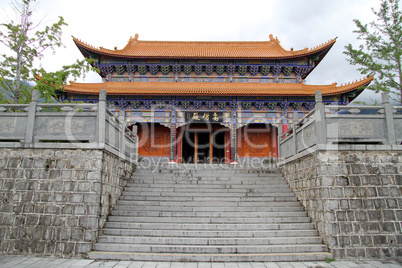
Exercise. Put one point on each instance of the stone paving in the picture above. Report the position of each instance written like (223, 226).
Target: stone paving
(34, 262)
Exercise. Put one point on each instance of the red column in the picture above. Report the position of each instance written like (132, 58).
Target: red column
(284, 128)
(227, 147)
(179, 144)
(275, 140)
(172, 154)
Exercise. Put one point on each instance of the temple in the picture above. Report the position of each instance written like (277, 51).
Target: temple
(208, 102)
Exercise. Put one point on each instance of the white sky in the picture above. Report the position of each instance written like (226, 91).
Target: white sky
(296, 23)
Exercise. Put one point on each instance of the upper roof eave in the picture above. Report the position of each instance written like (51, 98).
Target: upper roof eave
(204, 49)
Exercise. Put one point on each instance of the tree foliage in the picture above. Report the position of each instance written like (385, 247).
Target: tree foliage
(27, 44)
(380, 52)
(48, 82)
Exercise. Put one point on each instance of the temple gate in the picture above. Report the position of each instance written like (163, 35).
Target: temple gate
(209, 102)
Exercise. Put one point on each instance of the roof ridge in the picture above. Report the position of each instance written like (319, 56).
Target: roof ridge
(331, 41)
(358, 81)
(76, 40)
(132, 46)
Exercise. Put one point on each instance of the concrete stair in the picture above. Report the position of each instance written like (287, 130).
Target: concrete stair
(202, 213)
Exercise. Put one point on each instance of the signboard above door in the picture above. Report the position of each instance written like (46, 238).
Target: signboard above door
(203, 117)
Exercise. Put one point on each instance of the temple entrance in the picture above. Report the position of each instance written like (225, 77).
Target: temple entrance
(204, 145)
(188, 148)
(219, 148)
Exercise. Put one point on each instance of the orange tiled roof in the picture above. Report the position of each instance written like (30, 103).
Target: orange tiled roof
(230, 89)
(210, 50)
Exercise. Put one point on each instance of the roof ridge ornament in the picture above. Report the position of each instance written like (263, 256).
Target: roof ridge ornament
(271, 38)
(135, 39)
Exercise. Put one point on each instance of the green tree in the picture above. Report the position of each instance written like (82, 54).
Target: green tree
(26, 44)
(380, 52)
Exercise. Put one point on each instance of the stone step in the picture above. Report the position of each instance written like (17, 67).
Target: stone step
(203, 213)
(210, 234)
(267, 188)
(235, 178)
(119, 223)
(200, 166)
(210, 190)
(209, 249)
(210, 183)
(213, 172)
(235, 241)
(194, 257)
(207, 170)
(200, 203)
(197, 214)
(203, 171)
(269, 208)
(267, 197)
(235, 220)
(239, 184)
(270, 201)
(210, 177)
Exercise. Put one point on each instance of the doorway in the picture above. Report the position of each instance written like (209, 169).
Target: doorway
(218, 149)
(204, 145)
(188, 147)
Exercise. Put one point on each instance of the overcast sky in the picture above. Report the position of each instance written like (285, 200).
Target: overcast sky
(296, 23)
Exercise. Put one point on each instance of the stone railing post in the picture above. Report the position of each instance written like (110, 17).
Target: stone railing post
(319, 115)
(389, 118)
(122, 119)
(295, 118)
(102, 118)
(30, 127)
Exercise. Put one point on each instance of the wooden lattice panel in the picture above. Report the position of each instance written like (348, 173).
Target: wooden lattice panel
(154, 140)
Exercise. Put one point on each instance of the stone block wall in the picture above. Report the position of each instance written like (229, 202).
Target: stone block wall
(354, 198)
(114, 177)
(53, 202)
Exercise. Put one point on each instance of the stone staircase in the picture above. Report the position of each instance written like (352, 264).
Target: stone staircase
(201, 213)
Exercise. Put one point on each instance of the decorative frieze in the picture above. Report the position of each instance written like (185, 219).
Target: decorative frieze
(111, 69)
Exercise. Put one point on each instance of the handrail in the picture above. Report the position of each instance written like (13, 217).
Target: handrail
(38, 127)
(301, 121)
(323, 125)
(13, 105)
(342, 107)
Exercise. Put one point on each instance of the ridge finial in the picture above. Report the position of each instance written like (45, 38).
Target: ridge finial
(274, 39)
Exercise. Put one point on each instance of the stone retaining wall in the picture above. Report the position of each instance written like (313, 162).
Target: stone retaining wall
(53, 202)
(354, 198)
